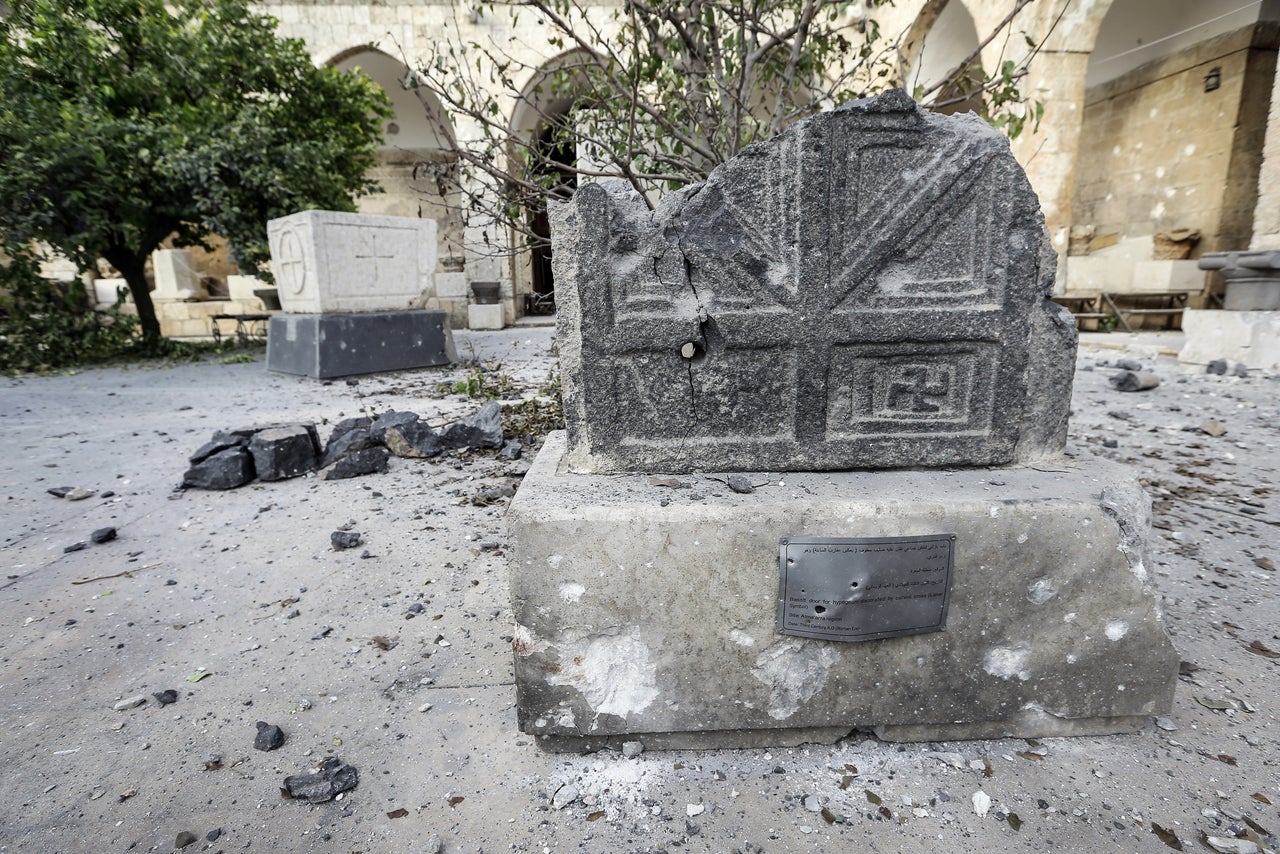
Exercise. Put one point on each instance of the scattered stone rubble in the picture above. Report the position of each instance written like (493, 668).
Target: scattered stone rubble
(357, 446)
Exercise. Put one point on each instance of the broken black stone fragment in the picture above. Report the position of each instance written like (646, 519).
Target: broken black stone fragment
(221, 441)
(284, 452)
(269, 737)
(166, 697)
(59, 491)
(349, 436)
(75, 547)
(482, 430)
(225, 469)
(103, 535)
(330, 779)
(416, 439)
(341, 540)
(356, 463)
(391, 418)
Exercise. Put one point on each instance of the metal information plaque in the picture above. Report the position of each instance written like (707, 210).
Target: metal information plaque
(863, 588)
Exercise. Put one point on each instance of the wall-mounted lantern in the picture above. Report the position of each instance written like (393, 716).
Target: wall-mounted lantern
(1213, 79)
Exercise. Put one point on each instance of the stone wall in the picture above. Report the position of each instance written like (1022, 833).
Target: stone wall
(1158, 152)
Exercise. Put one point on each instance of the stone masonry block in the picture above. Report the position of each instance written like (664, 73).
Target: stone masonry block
(638, 620)
(329, 261)
(864, 290)
(346, 344)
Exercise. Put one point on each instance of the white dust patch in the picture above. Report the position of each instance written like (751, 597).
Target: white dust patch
(1007, 662)
(795, 670)
(1116, 629)
(1041, 590)
(741, 638)
(571, 591)
(615, 786)
(614, 672)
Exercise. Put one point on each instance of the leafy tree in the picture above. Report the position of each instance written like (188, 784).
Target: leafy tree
(658, 94)
(125, 122)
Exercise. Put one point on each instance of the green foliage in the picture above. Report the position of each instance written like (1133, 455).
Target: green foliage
(484, 383)
(538, 415)
(46, 325)
(123, 122)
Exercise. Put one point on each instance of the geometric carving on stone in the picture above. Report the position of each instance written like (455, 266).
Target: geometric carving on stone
(941, 390)
(704, 405)
(869, 289)
(290, 263)
(332, 261)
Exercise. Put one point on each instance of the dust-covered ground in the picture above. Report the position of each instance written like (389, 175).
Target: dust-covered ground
(395, 656)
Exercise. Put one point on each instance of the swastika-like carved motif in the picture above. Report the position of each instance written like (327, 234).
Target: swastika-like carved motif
(917, 390)
(868, 289)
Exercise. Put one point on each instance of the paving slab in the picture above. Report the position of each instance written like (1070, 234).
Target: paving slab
(69, 652)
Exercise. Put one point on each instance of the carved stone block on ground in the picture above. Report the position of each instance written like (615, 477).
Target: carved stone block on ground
(867, 290)
(328, 261)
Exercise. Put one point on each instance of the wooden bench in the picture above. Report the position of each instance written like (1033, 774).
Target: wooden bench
(245, 328)
(1170, 304)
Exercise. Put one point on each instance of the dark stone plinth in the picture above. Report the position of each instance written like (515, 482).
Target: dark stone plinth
(339, 345)
(869, 289)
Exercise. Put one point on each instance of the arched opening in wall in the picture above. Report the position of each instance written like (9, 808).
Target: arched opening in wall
(1175, 114)
(940, 40)
(418, 161)
(542, 141)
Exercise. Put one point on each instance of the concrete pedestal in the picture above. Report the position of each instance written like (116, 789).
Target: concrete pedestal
(1251, 338)
(340, 345)
(484, 316)
(648, 612)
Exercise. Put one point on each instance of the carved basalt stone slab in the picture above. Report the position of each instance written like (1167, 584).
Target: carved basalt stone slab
(869, 289)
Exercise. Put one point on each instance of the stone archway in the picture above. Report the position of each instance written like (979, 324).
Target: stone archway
(548, 98)
(941, 38)
(1174, 116)
(417, 165)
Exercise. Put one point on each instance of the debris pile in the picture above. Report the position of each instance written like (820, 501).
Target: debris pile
(357, 446)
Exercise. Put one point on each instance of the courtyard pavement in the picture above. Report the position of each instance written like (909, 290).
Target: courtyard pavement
(395, 656)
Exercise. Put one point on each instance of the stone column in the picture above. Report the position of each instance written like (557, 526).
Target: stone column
(1266, 215)
(1049, 154)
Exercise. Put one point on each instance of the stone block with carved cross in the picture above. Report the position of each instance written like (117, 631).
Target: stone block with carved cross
(870, 289)
(329, 261)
